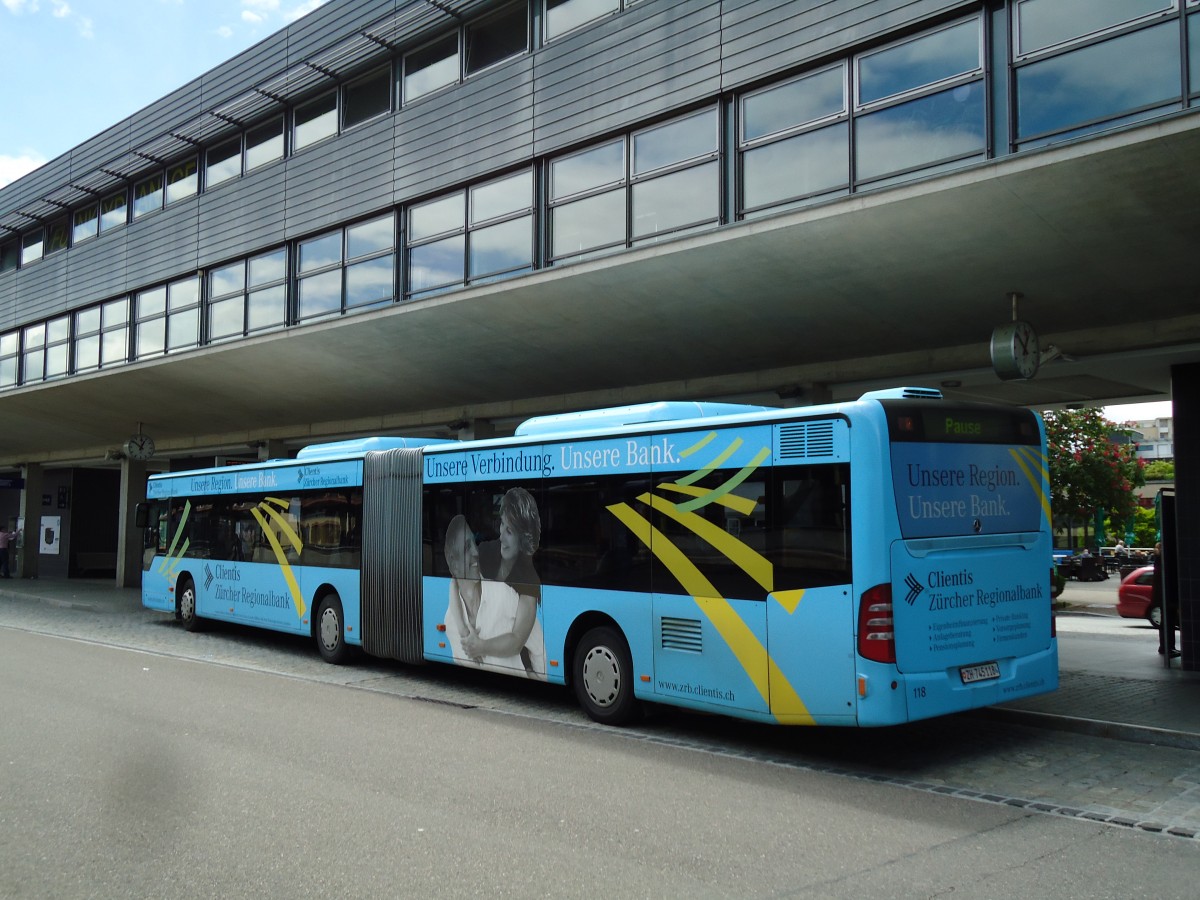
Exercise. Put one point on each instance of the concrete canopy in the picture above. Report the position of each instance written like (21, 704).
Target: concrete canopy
(897, 286)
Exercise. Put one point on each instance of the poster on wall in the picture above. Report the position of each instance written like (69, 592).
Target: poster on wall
(51, 532)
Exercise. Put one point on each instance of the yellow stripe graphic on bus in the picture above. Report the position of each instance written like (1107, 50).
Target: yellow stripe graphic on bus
(732, 482)
(280, 555)
(1027, 458)
(736, 502)
(745, 558)
(166, 560)
(746, 647)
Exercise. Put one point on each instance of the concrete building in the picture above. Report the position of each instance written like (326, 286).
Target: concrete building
(419, 217)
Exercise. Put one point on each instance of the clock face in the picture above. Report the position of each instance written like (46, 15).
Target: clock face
(140, 446)
(1015, 351)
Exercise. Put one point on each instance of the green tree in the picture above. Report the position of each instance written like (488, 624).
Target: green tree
(1160, 470)
(1090, 473)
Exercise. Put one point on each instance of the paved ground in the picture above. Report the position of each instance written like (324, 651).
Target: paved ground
(1119, 742)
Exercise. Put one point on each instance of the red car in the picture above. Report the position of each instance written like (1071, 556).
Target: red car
(1133, 596)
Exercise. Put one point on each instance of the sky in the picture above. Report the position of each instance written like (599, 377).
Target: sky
(73, 68)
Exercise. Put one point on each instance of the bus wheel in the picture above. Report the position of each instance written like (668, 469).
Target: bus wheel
(331, 631)
(185, 604)
(603, 677)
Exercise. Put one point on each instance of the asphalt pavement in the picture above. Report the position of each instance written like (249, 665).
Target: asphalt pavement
(1111, 683)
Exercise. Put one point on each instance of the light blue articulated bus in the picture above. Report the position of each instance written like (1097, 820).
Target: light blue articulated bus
(863, 563)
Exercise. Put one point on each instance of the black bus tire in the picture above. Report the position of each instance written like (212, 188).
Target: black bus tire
(185, 604)
(330, 630)
(602, 673)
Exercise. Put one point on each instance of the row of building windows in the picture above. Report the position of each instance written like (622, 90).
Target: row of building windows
(439, 64)
(911, 107)
(1077, 63)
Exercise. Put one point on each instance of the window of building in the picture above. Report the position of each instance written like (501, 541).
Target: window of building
(222, 162)
(1193, 40)
(482, 234)
(101, 335)
(1044, 24)
(673, 186)
(33, 353)
(587, 197)
(85, 223)
(148, 195)
(367, 97)
(437, 244)
(497, 37)
(319, 276)
(10, 345)
(45, 350)
(266, 297)
(675, 176)
(794, 140)
(315, 121)
(183, 314)
(56, 236)
(1130, 76)
(113, 211)
(227, 301)
(150, 329)
(500, 228)
(10, 256)
(33, 245)
(433, 66)
(371, 262)
(168, 318)
(563, 16)
(182, 180)
(248, 296)
(264, 144)
(922, 103)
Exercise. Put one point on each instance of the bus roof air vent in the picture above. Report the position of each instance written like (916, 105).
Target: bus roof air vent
(903, 393)
(637, 414)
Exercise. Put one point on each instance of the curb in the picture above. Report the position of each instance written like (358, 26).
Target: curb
(1120, 731)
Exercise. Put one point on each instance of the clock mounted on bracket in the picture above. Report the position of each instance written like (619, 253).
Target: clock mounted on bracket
(1015, 351)
(139, 446)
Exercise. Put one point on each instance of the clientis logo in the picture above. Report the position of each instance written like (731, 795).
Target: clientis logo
(914, 588)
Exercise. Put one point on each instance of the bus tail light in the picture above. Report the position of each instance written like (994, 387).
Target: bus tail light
(876, 627)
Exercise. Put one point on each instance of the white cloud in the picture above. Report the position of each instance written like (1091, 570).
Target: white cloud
(225, 31)
(303, 9)
(61, 9)
(252, 17)
(16, 7)
(13, 167)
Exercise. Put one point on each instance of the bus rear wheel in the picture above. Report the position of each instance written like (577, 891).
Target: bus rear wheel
(603, 677)
(185, 604)
(331, 630)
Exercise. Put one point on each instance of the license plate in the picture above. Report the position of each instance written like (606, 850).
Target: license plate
(982, 672)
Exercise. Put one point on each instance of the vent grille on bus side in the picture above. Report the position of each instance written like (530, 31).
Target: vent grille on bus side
(682, 634)
(391, 555)
(806, 440)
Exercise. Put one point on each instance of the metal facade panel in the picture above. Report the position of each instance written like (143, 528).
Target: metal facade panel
(162, 246)
(341, 179)
(243, 215)
(480, 127)
(41, 288)
(98, 269)
(766, 37)
(605, 77)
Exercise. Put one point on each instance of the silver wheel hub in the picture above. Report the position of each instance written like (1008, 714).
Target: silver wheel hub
(602, 676)
(330, 630)
(187, 603)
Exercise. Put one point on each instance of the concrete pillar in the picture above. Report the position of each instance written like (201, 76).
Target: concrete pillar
(475, 430)
(272, 449)
(31, 516)
(1185, 401)
(129, 536)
